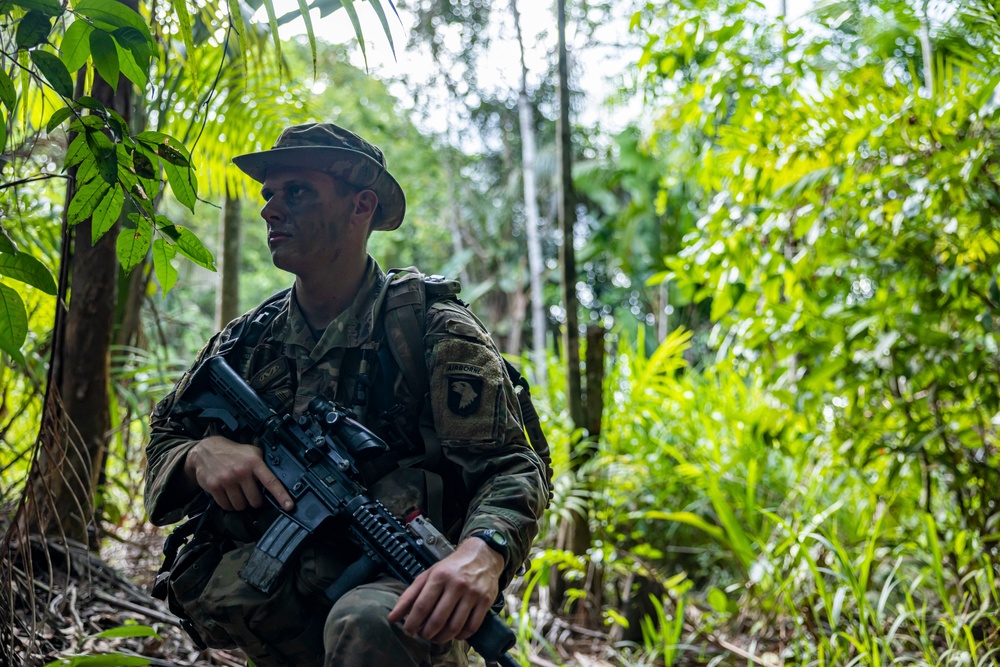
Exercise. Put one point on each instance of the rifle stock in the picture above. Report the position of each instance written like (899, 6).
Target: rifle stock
(314, 458)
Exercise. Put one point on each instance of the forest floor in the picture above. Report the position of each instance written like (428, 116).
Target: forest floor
(63, 613)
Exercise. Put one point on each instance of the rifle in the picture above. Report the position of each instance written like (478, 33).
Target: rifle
(314, 458)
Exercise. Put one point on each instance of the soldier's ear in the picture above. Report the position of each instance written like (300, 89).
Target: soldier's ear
(365, 203)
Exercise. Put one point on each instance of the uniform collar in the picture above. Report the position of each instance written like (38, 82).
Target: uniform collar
(351, 328)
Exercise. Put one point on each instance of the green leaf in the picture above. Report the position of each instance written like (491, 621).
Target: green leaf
(184, 21)
(239, 25)
(183, 183)
(77, 151)
(54, 72)
(353, 14)
(33, 29)
(304, 12)
(166, 274)
(13, 322)
(172, 155)
(47, 7)
(133, 242)
(106, 213)
(191, 247)
(104, 52)
(377, 6)
(25, 268)
(133, 41)
(75, 46)
(127, 631)
(3, 131)
(57, 118)
(8, 96)
(105, 154)
(110, 15)
(6, 243)
(272, 22)
(85, 200)
(143, 166)
(131, 70)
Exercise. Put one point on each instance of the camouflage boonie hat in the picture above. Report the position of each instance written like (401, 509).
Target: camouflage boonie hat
(340, 153)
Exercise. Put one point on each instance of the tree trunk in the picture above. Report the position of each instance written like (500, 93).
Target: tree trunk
(227, 304)
(535, 262)
(76, 419)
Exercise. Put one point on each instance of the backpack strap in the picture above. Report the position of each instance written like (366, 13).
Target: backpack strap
(246, 333)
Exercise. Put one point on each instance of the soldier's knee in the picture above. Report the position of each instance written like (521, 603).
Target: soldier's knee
(359, 620)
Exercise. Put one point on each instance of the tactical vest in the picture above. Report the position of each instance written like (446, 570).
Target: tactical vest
(402, 306)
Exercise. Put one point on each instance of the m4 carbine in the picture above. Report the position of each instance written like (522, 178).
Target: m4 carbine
(314, 458)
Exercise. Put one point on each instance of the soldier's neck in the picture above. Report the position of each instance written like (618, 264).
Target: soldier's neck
(323, 297)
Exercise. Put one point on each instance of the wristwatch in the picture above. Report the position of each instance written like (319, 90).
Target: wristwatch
(494, 540)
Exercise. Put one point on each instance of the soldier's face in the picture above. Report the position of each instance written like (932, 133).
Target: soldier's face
(308, 215)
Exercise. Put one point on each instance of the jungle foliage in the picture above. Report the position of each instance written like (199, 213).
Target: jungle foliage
(793, 249)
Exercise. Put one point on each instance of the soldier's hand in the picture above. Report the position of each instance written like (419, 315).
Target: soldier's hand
(451, 598)
(233, 474)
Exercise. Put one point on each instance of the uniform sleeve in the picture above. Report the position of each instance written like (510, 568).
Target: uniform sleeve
(173, 432)
(478, 421)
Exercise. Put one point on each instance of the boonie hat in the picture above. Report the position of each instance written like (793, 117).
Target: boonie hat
(340, 153)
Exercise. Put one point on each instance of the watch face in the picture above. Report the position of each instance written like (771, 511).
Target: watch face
(498, 539)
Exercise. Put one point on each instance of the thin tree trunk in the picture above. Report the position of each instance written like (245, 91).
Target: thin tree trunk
(227, 304)
(77, 417)
(535, 262)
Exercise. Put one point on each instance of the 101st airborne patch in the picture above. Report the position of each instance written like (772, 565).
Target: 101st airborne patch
(465, 388)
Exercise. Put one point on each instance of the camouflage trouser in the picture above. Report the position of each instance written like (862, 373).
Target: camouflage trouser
(358, 633)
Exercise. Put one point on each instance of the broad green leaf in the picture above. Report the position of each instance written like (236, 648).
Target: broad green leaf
(77, 151)
(133, 242)
(127, 631)
(85, 200)
(106, 213)
(47, 7)
(13, 322)
(25, 268)
(183, 183)
(153, 138)
(8, 96)
(105, 154)
(173, 156)
(91, 103)
(57, 118)
(191, 247)
(75, 47)
(33, 29)
(54, 71)
(104, 53)
(166, 274)
(133, 41)
(6, 243)
(3, 131)
(143, 166)
(111, 15)
(130, 68)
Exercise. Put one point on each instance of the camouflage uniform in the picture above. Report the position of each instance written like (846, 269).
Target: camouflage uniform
(490, 476)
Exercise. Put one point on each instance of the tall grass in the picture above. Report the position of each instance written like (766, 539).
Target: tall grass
(765, 545)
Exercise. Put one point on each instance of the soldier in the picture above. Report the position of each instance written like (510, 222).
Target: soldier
(458, 451)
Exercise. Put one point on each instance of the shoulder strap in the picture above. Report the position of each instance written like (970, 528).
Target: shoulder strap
(248, 330)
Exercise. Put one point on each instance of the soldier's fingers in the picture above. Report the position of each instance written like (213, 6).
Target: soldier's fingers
(237, 501)
(421, 609)
(274, 487)
(456, 623)
(405, 601)
(251, 491)
(473, 621)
